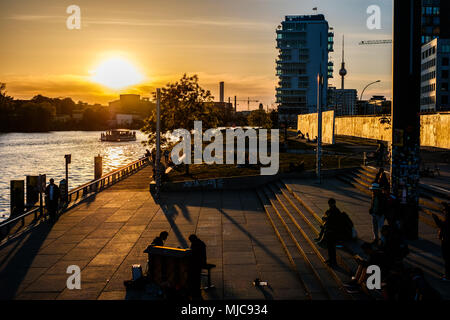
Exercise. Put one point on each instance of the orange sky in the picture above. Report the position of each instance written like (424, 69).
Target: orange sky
(231, 41)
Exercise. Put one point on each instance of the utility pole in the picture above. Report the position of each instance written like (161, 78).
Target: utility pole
(68, 158)
(158, 144)
(319, 128)
(405, 160)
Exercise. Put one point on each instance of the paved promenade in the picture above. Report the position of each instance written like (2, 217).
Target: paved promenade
(107, 234)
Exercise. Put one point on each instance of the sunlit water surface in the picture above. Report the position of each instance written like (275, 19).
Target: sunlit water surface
(24, 154)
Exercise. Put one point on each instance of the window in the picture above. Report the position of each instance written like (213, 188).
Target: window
(445, 61)
(444, 99)
(444, 86)
(445, 74)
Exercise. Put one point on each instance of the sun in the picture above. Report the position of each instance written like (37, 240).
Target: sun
(116, 73)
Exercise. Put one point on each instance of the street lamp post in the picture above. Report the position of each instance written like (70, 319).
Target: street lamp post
(362, 93)
(319, 128)
(158, 143)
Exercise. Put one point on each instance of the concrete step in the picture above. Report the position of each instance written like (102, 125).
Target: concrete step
(345, 258)
(288, 245)
(314, 254)
(301, 259)
(354, 183)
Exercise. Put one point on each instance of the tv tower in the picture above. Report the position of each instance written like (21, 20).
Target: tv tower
(343, 71)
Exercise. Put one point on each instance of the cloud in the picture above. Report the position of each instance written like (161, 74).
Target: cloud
(227, 23)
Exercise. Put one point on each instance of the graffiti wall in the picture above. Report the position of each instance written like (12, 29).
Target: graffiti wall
(307, 124)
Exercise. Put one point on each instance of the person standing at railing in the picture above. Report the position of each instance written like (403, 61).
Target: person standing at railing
(52, 194)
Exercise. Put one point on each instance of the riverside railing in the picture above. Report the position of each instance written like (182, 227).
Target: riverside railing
(78, 194)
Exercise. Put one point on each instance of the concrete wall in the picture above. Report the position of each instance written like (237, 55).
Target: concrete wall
(434, 129)
(307, 123)
(363, 127)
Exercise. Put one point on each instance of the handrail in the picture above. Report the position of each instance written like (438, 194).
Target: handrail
(88, 188)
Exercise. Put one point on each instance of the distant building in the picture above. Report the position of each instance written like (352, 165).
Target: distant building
(124, 119)
(376, 105)
(304, 43)
(131, 104)
(435, 76)
(435, 21)
(342, 101)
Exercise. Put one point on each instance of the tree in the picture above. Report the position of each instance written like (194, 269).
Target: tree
(182, 103)
(274, 117)
(35, 117)
(259, 118)
(6, 108)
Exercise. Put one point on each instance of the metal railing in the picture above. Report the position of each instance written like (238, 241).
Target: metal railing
(81, 193)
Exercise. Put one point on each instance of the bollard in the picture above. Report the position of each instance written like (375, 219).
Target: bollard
(17, 197)
(364, 159)
(98, 167)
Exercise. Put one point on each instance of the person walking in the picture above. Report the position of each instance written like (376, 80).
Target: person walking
(444, 236)
(376, 211)
(52, 194)
(198, 261)
(332, 231)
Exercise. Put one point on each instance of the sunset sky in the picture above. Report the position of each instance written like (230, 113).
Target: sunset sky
(228, 40)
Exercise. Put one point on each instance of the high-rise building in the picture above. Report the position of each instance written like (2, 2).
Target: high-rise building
(304, 43)
(435, 21)
(435, 76)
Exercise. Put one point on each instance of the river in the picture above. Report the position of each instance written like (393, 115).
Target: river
(24, 154)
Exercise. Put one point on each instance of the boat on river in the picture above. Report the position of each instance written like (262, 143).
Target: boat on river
(118, 135)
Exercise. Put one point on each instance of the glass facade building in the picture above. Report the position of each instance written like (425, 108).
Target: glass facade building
(304, 43)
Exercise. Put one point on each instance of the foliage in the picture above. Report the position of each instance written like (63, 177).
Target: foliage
(182, 103)
(259, 118)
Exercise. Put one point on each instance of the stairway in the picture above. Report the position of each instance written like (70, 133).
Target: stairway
(296, 226)
(430, 201)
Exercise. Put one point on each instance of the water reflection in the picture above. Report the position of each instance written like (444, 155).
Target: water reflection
(24, 154)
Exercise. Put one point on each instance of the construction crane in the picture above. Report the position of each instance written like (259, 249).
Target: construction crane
(248, 103)
(369, 42)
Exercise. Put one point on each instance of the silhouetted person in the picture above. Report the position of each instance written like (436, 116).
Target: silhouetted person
(338, 227)
(380, 154)
(198, 261)
(52, 194)
(166, 156)
(376, 210)
(422, 289)
(444, 236)
(393, 245)
(382, 179)
(374, 257)
(158, 241)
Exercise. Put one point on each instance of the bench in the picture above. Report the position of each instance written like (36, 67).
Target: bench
(208, 268)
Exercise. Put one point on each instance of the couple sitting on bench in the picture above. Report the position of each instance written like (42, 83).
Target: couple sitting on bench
(198, 260)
